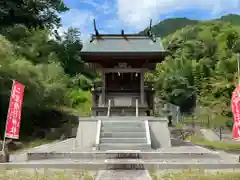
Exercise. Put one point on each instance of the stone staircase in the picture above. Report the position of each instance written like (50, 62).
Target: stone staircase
(123, 135)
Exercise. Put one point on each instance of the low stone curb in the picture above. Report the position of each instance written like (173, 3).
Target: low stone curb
(101, 165)
(105, 155)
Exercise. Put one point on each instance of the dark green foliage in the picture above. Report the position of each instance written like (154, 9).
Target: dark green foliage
(232, 18)
(50, 68)
(202, 67)
(31, 13)
(68, 52)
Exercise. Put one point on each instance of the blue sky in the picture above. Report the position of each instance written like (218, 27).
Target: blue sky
(133, 15)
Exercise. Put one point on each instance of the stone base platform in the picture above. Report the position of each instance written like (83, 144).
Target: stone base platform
(150, 156)
(103, 164)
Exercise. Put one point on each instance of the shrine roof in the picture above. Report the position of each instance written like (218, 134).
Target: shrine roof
(128, 43)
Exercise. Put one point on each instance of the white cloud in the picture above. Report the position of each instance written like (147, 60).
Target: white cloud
(77, 18)
(105, 7)
(81, 19)
(137, 13)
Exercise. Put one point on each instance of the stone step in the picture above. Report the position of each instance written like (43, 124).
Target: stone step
(123, 140)
(124, 146)
(135, 123)
(123, 134)
(123, 129)
(123, 119)
(101, 155)
(101, 164)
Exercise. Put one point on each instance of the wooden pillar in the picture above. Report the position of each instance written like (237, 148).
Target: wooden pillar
(103, 88)
(141, 87)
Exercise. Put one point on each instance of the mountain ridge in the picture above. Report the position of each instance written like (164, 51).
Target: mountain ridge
(171, 25)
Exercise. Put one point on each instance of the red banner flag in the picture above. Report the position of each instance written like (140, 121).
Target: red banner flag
(14, 111)
(236, 113)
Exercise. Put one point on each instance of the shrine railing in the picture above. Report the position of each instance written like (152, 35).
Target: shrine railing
(109, 107)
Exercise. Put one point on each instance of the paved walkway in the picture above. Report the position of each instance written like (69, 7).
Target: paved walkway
(59, 146)
(210, 134)
(123, 175)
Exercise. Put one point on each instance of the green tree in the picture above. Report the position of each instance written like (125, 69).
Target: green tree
(68, 53)
(31, 13)
(202, 66)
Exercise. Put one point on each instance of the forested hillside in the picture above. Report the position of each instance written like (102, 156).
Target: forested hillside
(169, 26)
(202, 67)
(234, 19)
(33, 53)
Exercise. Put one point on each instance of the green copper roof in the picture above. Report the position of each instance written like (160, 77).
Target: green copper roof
(126, 43)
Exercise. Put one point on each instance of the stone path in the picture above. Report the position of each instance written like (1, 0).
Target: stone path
(226, 135)
(214, 135)
(209, 134)
(123, 175)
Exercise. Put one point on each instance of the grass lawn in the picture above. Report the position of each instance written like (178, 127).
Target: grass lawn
(196, 175)
(205, 120)
(215, 145)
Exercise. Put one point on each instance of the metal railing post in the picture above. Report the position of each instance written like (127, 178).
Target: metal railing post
(99, 124)
(109, 107)
(220, 133)
(136, 107)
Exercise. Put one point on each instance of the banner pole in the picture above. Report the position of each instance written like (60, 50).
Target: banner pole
(4, 136)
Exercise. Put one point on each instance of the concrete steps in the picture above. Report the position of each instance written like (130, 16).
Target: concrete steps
(122, 129)
(123, 124)
(124, 146)
(103, 164)
(123, 135)
(123, 140)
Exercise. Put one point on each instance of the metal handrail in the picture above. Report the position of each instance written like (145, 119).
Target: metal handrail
(109, 107)
(99, 124)
(136, 107)
(148, 136)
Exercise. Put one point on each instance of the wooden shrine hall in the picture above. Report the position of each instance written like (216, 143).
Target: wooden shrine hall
(123, 59)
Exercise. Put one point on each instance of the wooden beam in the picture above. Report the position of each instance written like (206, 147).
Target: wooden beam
(122, 70)
(142, 98)
(103, 88)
